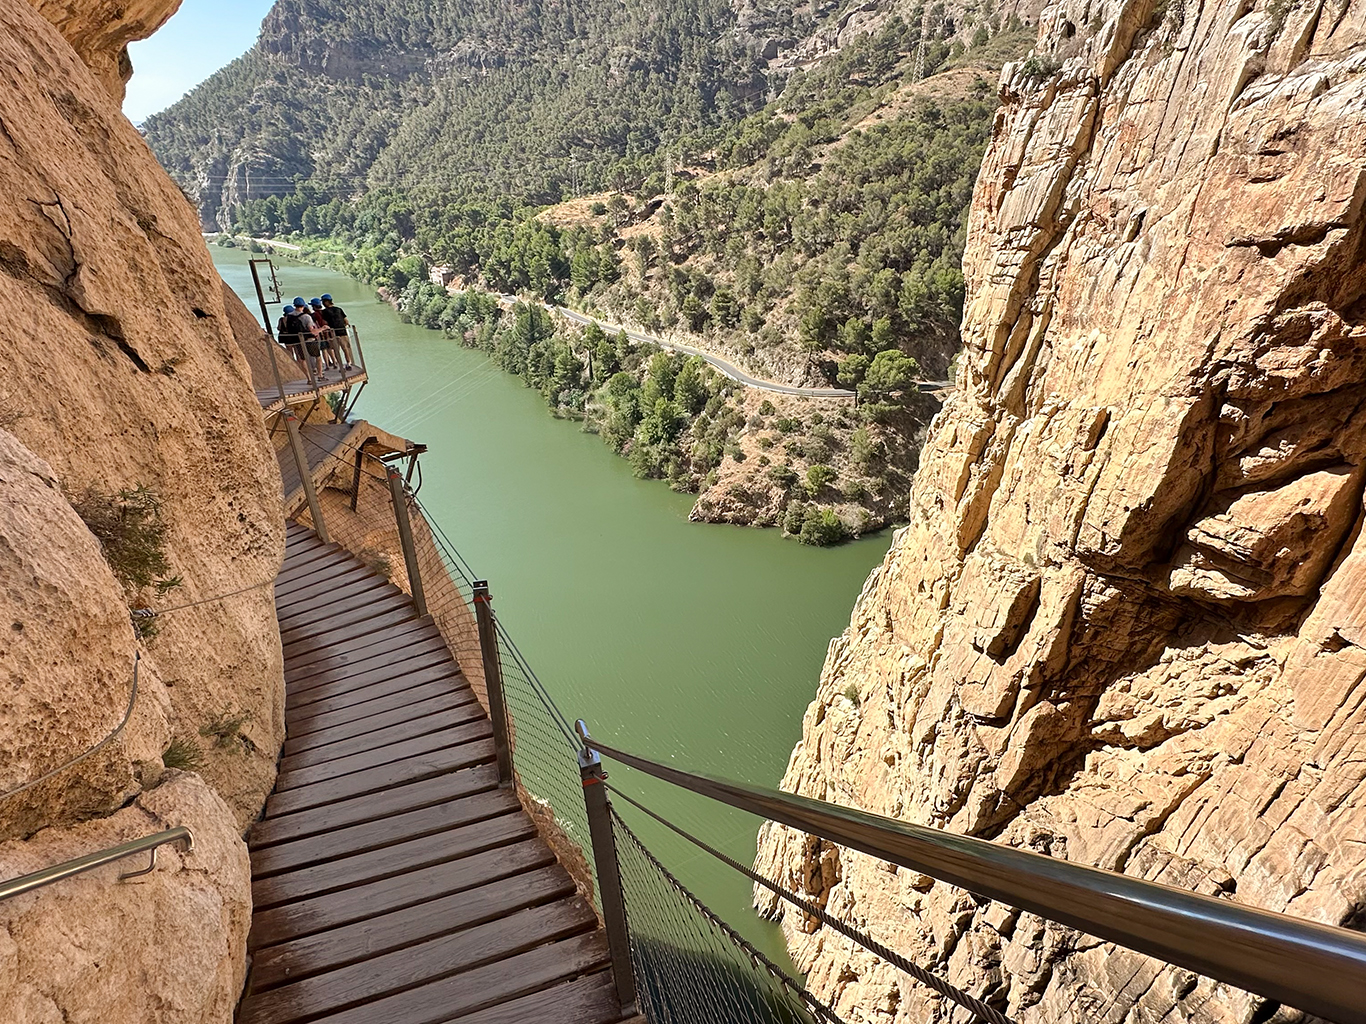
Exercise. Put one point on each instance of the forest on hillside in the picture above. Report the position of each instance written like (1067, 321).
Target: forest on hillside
(813, 234)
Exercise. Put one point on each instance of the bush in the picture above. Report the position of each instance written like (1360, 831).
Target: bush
(821, 528)
(766, 408)
(817, 477)
(783, 475)
(184, 755)
(226, 727)
(132, 536)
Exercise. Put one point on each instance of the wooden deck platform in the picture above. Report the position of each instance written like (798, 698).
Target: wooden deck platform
(393, 881)
(301, 392)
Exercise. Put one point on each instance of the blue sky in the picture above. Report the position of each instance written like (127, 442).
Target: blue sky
(201, 37)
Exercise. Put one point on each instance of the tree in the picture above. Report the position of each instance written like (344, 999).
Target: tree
(725, 310)
(889, 372)
(690, 393)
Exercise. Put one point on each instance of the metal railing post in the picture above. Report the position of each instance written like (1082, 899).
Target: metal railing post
(305, 475)
(611, 899)
(493, 680)
(405, 539)
(360, 353)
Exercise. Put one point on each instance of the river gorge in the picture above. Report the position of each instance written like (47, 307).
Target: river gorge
(693, 644)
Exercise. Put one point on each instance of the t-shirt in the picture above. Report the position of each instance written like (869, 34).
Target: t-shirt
(306, 322)
(335, 317)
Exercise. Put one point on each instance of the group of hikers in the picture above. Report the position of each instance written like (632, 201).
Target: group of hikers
(314, 332)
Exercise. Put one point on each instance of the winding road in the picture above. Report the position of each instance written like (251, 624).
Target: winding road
(728, 368)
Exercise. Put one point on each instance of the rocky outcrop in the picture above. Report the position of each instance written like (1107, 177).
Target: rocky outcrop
(100, 31)
(120, 371)
(1124, 625)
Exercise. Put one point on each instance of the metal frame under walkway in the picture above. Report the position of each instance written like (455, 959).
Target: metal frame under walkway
(393, 880)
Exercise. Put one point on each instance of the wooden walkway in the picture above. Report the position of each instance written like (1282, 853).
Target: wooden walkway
(301, 392)
(393, 881)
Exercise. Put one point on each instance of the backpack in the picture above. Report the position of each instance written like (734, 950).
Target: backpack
(293, 329)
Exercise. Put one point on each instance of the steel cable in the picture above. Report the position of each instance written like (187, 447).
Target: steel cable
(127, 714)
(970, 1003)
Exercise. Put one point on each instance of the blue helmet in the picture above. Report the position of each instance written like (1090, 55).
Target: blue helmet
(327, 298)
(315, 302)
(298, 301)
(287, 310)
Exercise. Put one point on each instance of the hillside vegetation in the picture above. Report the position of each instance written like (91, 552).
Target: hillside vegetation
(815, 238)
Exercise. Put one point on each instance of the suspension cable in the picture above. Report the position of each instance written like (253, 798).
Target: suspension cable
(970, 1003)
(759, 958)
(132, 699)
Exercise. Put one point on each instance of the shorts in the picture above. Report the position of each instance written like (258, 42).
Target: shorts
(313, 348)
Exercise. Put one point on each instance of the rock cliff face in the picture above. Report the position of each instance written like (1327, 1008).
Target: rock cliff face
(1125, 623)
(120, 370)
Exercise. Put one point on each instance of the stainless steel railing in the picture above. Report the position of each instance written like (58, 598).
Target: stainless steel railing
(1313, 967)
(147, 844)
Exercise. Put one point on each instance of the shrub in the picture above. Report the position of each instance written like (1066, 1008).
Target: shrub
(132, 536)
(766, 408)
(851, 694)
(184, 755)
(821, 528)
(783, 475)
(817, 477)
(225, 727)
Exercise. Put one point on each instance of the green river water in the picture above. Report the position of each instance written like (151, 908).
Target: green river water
(696, 645)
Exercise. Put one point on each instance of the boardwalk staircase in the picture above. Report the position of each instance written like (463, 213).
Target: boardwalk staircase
(393, 879)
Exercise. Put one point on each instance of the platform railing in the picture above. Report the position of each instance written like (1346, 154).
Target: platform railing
(1313, 967)
(147, 844)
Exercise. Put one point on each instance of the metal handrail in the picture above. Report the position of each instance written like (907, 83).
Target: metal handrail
(38, 879)
(1314, 967)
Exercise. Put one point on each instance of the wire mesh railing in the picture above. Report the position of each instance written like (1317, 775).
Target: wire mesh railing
(691, 967)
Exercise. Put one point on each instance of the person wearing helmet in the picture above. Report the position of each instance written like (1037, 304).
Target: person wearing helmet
(308, 334)
(329, 353)
(335, 318)
(289, 330)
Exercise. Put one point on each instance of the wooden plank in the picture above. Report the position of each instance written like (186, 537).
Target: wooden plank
(346, 872)
(588, 1000)
(404, 648)
(418, 725)
(448, 674)
(444, 956)
(325, 721)
(346, 730)
(396, 665)
(325, 618)
(451, 786)
(313, 572)
(359, 580)
(374, 835)
(348, 651)
(414, 769)
(332, 592)
(311, 559)
(382, 933)
(358, 903)
(381, 756)
(293, 588)
(364, 627)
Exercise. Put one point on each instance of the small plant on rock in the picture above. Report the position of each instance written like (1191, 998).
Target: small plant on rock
(226, 727)
(132, 536)
(183, 754)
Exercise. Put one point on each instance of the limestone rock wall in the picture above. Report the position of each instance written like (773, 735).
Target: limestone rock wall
(120, 369)
(1125, 623)
(100, 31)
